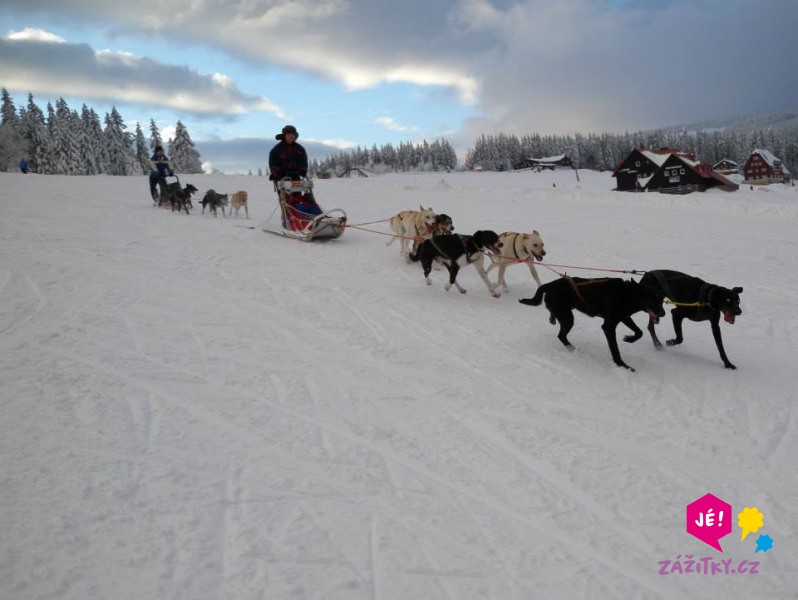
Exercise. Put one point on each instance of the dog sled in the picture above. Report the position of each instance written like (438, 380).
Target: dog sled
(301, 216)
(169, 187)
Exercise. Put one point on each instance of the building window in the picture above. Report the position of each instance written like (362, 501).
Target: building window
(637, 163)
(681, 171)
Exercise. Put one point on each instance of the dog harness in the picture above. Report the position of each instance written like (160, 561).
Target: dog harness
(705, 292)
(462, 239)
(576, 286)
(515, 247)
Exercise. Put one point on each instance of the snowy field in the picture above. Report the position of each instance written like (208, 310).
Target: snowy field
(195, 410)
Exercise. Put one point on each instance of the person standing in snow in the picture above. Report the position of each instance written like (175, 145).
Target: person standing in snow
(23, 166)
(160, 166)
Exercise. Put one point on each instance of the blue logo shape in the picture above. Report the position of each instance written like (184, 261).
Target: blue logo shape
(764, 543)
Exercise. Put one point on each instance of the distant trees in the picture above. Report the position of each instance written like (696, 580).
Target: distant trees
(183, 153)
(603, 151)
(65, 143)
(436, 156)
(10, 133)
(597, 151)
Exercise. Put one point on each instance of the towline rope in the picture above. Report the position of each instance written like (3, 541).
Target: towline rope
(499, 258)
(404, 237)
(496, 257)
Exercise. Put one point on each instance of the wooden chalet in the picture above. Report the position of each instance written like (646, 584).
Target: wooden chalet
(633, 173)
(667, 170)
(763, 167)
(726, 166)
(681, 175)
(547, 162)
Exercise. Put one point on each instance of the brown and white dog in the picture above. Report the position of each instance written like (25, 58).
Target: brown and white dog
(518, 247)
(415, 225)
(237, 201)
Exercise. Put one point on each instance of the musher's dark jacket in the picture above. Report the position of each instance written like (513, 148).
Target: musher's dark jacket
(288, 160)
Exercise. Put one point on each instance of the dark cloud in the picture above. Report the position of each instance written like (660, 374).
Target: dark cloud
(581, 67)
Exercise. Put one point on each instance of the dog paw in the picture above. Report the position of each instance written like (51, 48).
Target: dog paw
(631, 339)
(729, 366)
(673, 342)
(658, 345)
(462, 290)
(570, 348)
(496, 294)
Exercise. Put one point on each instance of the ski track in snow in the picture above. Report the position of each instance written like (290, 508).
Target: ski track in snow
(197, 410)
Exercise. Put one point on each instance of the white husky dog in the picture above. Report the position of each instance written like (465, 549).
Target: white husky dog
(415, 225)
(518, 247)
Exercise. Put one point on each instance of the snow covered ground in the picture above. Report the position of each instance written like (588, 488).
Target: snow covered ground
(195, 410)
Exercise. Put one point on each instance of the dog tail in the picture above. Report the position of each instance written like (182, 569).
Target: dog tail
(536, 299)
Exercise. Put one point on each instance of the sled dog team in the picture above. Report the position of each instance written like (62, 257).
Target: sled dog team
(429, 238)
(180, 200)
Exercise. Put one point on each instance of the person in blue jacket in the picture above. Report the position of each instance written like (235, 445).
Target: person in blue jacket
(23, 166)
(160, 166)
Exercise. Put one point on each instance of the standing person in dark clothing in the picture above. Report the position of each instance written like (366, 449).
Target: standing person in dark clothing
(160, 166)
(23, 166)
(288, 158)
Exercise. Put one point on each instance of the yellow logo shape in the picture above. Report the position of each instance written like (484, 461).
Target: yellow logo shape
(750, 520)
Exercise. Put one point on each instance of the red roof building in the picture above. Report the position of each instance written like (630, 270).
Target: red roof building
(763, 167)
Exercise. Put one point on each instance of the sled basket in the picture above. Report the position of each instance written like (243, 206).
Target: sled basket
(169, 187)
(302, 217)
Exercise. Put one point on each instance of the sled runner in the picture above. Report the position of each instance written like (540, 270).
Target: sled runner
(302, 217)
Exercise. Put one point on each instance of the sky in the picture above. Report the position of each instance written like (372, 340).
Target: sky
(365, 72)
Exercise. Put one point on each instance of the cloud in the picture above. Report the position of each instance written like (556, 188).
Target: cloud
(521, 65)
(357, 42)
(40, 62)
(390, 123)
(582, 65)
(36, 35)
(244, 153)
(333, 144)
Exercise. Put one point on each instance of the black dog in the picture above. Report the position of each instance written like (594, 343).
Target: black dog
(179, 199)
(710, 301)
(615, 300)
(214, 201)
(456, 251)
